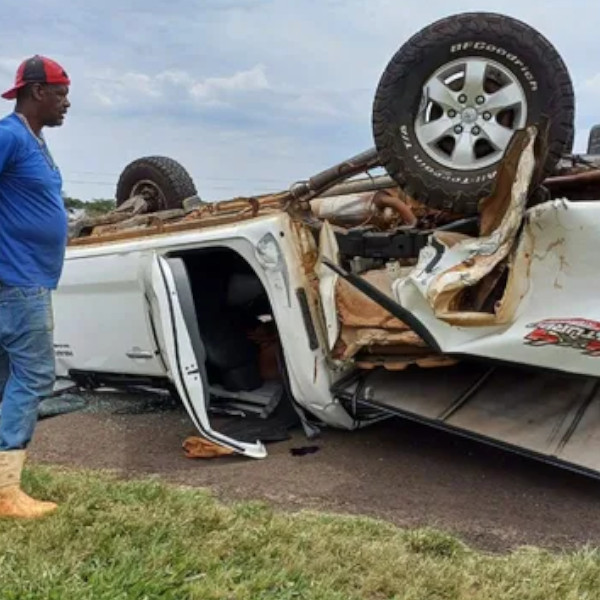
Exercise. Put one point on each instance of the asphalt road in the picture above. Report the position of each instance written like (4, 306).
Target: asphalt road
(404, 473)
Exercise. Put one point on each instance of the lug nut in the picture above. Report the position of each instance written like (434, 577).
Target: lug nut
(452, 113)
(462, 98)
(458, 129)
(480, 99)
(475, 130)
(487, 115)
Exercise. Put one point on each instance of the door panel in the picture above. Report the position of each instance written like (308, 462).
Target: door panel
(185, 351)
(102, 317)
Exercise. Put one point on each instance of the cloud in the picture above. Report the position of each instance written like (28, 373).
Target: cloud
(591, 86)
(114, 90)
(9, 65)
(315, 104)
(8, 68)
(244, 91)
(252, 80)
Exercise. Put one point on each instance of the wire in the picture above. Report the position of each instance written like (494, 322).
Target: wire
(223, 188)
(253, 180)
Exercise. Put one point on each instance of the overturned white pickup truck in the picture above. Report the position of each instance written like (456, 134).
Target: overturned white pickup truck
(460, 291)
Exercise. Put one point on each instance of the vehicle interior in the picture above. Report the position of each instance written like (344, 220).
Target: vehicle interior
(244, 367)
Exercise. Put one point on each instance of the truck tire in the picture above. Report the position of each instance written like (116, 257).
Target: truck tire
(451, 98)
(163, 181)
(594, 140)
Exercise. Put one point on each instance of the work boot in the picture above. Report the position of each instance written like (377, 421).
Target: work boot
(14, 502)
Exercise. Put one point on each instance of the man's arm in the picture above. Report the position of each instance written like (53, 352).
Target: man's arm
(8, 145)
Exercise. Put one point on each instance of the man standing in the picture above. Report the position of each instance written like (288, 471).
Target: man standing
(33, 236)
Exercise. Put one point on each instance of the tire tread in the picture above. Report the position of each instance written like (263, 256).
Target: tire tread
(173, 179)
(446, 31)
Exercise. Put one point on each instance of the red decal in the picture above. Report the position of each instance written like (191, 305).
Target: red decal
(579, 334)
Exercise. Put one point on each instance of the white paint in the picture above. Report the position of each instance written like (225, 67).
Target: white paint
(109, 291)
(328, 248)
(101, 314)
(563, 284)
(101, 311)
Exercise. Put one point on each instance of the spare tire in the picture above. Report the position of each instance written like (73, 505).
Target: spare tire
(451, 98)
(162, 181)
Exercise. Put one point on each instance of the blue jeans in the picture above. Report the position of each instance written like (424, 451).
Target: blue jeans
(26, 361)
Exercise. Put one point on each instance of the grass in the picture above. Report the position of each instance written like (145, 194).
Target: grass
(115, 540)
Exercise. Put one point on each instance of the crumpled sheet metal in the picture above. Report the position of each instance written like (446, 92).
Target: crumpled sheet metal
(328, 279)
(386, 209)
(356, 339)
(364, 324)
(355, 309)
(465, 262)
(352, 319)
(351, 210)
(128, 224)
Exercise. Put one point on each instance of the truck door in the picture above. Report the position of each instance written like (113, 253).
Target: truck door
(103, 320)
(185, 351)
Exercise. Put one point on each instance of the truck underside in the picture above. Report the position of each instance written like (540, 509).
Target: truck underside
(547, 416)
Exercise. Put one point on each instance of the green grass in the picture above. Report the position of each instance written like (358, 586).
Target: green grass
(116, 540)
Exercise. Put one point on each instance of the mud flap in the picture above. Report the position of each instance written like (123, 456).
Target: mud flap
(547, 416)
(185, 350)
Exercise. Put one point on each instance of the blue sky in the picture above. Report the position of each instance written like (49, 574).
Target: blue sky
(249, 95)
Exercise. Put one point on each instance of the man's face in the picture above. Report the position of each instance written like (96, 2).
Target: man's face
(53, 102)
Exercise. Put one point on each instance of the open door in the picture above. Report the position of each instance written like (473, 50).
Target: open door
(185, 351)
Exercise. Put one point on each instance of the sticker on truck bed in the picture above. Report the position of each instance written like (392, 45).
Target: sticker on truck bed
(579, 334)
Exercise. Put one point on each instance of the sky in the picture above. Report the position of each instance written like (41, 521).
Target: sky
(249, 95)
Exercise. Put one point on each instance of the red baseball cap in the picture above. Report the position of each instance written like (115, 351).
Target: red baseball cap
(37, 69)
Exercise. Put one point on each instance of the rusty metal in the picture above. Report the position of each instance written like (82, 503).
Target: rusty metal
(578, 179)
(567, 168)
(391, 199)
(358, 186)
(138, 222)
(383, 208)
(304, 191)
(119, 225)
(158, 229)
(354, 309)
(85, 226)
(475, 282)
(386, 302)
(237, 205)
(122, 225)
(367, 327)
(365, 340)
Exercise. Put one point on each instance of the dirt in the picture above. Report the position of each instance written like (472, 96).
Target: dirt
(405, 473)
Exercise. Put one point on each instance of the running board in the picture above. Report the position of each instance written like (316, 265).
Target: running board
(550, 417)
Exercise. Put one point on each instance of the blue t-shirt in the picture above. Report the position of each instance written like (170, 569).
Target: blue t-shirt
(33, 219)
